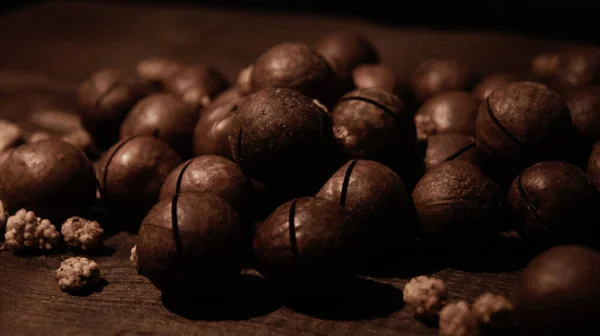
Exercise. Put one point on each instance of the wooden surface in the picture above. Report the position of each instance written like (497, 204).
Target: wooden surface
(46, 50)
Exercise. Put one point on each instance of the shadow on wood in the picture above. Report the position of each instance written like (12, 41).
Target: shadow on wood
(361, 299)
(252, 298)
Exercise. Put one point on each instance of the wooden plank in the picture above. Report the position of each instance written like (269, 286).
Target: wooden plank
(48, 49)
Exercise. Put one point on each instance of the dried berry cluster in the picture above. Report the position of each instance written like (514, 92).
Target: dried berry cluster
(427, 297)
(318, 163)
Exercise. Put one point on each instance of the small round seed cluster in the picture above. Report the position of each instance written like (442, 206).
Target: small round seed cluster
(456, 319)
(80, 233)
(425, 295)
(134, 258)
(26, 231)
(76, 273)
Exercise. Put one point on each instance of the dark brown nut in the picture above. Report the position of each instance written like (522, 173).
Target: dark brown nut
(83, 140)
(378, 76)
(104, 100)
(295, 66)
(373, 125)
(448, 147)
(378, 197)
(580, 66)
(166, 117)
(452, 112)
(308, 240)
(593, 168)
(545, 65)
(280, 138)
(156, 71)
(10, 135)
(558, 292)
(190, 244)
(439, 75)
(584, 104)
(197, 85)
(490, 83)
(211, 133)
(347, 50)
(51, 178)
(242, 82)
(231, 94)
(456, 202)
(554, 204)
(524, 122)
(132, 172)
(211, 174)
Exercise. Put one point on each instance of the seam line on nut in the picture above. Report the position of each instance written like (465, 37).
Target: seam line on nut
(371, 101)
(528, 203)
(346, 182)
(292, 229)
(461, 151)
(180, 177)
(103, 191)
(499, 124)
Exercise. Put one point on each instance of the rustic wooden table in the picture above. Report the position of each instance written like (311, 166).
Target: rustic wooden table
(47, 49)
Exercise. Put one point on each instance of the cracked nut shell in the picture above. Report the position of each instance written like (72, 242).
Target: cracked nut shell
(449, 147)
(211, 174)
(308, 240)
(132, 172)
(455, 201)
(166, 117)
(51, 178)
(524, 122)
(375, 195)
(190, 244)
(373, 125)
(554, 203)
(559, 291)
(104, 100)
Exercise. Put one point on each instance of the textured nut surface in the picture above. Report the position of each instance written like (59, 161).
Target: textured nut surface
(26, 231)
(555, 203)
(51, 178)
(559, 291)
(76, 273)
(525, 121)
(211, 133)
(308, 239)
(295, 66)
(456, 319)
(373, 125)
(80, 233)
(456, 201)
(425, 295)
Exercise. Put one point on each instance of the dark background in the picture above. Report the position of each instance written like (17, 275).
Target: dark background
(565, 19)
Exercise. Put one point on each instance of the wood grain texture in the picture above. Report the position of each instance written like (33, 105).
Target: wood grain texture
(48, 49)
